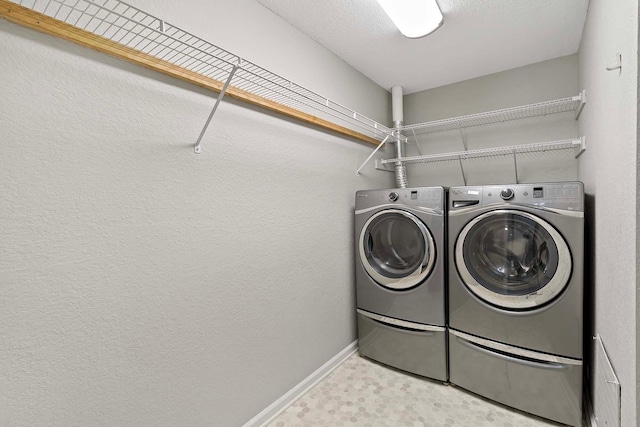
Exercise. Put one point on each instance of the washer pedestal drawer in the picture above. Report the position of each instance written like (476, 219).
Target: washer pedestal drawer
(540, 386)
(419, 351)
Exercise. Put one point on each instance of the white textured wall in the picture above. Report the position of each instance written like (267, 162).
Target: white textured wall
(609, 171)
(544, 81)
(143, 284)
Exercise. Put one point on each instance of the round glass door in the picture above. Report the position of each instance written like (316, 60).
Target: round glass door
(396, 249)
(513, 259)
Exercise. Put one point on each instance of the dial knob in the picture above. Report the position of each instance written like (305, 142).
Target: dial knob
(393, 196)
(506, 194)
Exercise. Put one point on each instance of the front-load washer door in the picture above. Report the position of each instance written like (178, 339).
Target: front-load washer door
(513, 260)
(396, 249)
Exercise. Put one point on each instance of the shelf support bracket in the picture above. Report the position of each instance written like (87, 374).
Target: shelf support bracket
(583, 100)
(381, 167)
(464, 145)
(416, 139)
(583, 146)
(464, 139)
(617, 65)
(372, 154)
(515, 165)
(464, 177)
(198, 146)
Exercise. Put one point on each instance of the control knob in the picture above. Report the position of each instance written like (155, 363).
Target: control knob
(506, 194)
(393, 196)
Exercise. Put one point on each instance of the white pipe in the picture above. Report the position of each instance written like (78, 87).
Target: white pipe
(397, 115)
(397, 107)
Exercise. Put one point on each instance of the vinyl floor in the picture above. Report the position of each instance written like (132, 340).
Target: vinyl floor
(363, 393)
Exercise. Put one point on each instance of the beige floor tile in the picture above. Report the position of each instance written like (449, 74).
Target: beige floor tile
(363, 393)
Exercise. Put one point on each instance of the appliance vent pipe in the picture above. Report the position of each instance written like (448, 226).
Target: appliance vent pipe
(397, 114)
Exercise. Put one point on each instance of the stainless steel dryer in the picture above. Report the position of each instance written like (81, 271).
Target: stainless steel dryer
(516, 295)
(400, 286)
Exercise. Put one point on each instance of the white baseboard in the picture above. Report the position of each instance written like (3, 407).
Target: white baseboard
(287, 399)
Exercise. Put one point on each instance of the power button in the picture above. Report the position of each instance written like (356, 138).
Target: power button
(506, 194)
(393, 196)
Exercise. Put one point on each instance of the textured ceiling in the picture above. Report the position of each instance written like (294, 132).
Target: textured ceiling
(478, 37)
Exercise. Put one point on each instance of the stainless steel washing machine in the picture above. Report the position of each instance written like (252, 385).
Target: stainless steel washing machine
(400, 284)
(516, 295)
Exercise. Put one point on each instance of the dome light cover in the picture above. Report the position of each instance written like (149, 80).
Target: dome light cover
(414, 18)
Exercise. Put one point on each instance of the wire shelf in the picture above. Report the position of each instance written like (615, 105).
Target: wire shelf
(578, 145)
(129, 26)
(575, 103)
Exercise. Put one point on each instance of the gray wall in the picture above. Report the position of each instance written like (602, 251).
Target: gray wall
(544, 81)
(609, 171)
(143, 284)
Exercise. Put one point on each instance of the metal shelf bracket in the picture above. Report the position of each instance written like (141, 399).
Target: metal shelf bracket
(464, 145)
(198, 146)
(415, 138)
(582, 147)
(617, 65)
(583, 100)
(464, 176)
(372, 154)
(379, 166)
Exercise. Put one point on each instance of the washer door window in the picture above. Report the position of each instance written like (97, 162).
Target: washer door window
(396, 249)
(513, 260)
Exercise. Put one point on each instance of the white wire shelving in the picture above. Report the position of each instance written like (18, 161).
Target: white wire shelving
(121, 29)
(575, 103)
(132, 28)
(577, 145)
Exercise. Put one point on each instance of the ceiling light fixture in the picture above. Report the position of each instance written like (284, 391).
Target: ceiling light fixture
(414, 18)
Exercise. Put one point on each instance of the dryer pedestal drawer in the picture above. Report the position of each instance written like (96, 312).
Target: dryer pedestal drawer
(419, 351)
(547, 388)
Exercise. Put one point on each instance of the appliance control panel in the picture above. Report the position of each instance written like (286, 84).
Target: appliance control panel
(561, 195)
(426, 197)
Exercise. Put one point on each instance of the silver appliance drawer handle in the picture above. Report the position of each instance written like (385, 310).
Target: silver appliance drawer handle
(404, 325)
(531, 363)
(407, 329)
